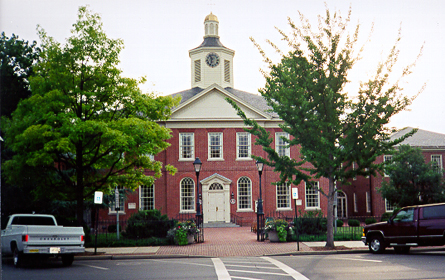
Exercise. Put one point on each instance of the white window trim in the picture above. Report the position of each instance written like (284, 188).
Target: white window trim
(122, 210)
(180, 197)
(384, 160)
(221, 158)
(249, 139)
(192, 158)
(368, 204)
(386, 207)
(140, 197)
(278, 135)
(238, 195)
(439, 163)
(290, 198)
(355, 203)
(305, 198)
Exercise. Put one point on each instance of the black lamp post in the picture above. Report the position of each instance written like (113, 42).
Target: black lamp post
(260, 213)
(197, 164)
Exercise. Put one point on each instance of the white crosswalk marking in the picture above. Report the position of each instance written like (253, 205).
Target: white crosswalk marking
(295, 274)
(220, 269)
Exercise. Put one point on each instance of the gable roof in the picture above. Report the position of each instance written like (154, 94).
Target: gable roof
(252, 100)
(422, 138)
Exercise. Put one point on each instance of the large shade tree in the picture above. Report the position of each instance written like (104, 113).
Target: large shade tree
(85, 127)
(17, 58)
(412, 181)
(331, 128)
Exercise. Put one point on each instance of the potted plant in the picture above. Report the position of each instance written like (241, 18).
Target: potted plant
(184, 233)
(277, 230)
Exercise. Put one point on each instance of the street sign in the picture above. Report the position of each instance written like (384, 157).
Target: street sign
(116, 195)
(298, 202)
(294, 193)
(98, 197)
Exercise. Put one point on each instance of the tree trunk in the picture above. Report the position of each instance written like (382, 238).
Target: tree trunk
(330, 218)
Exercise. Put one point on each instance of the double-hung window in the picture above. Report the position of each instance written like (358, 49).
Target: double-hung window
(312, 196)
(388, 206)
(281, 146)
(215, 145)
(387, 159)
(147, 197)
(243, 147)
(283, 197)
(186, 146)
(244, 194)
(187, 195)
(436, 161)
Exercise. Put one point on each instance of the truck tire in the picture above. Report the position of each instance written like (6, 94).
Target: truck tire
(17, 257)
(376, 245)
(67, 260)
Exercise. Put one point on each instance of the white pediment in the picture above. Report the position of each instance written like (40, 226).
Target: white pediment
(211, 104)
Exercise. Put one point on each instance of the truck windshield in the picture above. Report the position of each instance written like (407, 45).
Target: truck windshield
(33, 221)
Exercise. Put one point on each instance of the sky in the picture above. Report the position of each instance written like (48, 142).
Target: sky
(158, 35)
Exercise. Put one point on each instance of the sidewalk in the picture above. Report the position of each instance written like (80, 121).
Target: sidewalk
(226, 242)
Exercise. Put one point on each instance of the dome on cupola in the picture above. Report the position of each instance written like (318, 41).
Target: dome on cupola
(211, 17)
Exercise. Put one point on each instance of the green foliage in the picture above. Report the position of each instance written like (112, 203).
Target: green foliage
(273, 225)
(85, 127)
(181, 236)
(353, 223)
(339, 223)
(311, 223)
(147, 223)
(411, 180)
(385, 217)
(369, 221)
(331, 129)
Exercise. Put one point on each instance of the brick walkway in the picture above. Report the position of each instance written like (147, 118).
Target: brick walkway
(229, 242)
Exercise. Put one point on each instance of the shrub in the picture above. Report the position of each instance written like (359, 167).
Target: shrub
(311, 222)
(147, 223)
(370, 221)
(353, 223)
(113, 228)
(339, 223)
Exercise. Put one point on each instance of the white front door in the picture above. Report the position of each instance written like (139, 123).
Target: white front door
(216, 205)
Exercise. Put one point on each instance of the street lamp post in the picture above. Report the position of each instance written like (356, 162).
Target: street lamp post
(197, 164)
(260, 213)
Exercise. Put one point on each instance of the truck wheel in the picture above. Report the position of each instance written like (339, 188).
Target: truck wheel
(17, 257)
(376, 245)
(67, 260)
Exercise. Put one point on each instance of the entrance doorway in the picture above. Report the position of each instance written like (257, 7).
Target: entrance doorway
(216, 203)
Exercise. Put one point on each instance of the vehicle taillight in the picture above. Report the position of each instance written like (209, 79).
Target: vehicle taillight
(25, 238)
(82, 238)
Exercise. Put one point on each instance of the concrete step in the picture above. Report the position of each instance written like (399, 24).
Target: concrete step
(220, 225)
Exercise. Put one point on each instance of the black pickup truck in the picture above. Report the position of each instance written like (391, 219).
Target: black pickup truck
(421, 225)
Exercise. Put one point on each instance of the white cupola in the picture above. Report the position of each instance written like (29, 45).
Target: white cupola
(211, 62)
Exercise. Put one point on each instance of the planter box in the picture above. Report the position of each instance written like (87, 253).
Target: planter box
(191, 238)
(273, 236)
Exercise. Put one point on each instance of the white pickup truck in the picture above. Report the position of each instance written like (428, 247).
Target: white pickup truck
(31, 234)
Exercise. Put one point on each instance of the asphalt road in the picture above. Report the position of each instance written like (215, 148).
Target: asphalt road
(425, 265)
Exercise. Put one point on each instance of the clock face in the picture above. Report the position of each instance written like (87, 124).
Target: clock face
(212, 59)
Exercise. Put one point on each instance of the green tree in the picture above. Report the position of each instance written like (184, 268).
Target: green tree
(17, 58)
(85, 127)
(331, 129)
(411, 180)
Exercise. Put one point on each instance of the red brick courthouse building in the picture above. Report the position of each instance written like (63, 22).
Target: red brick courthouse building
(204, 125)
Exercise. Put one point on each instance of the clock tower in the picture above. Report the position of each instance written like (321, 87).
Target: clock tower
(212, 63)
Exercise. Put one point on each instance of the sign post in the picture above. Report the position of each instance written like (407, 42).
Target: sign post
(116, 194)
(297, 203)
(98, 198)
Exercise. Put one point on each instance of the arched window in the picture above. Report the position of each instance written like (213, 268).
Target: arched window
(244, 194)
(341, 205)
(187, 194)
(216, 187)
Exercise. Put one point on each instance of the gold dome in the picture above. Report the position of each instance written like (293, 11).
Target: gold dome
(211, 17)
